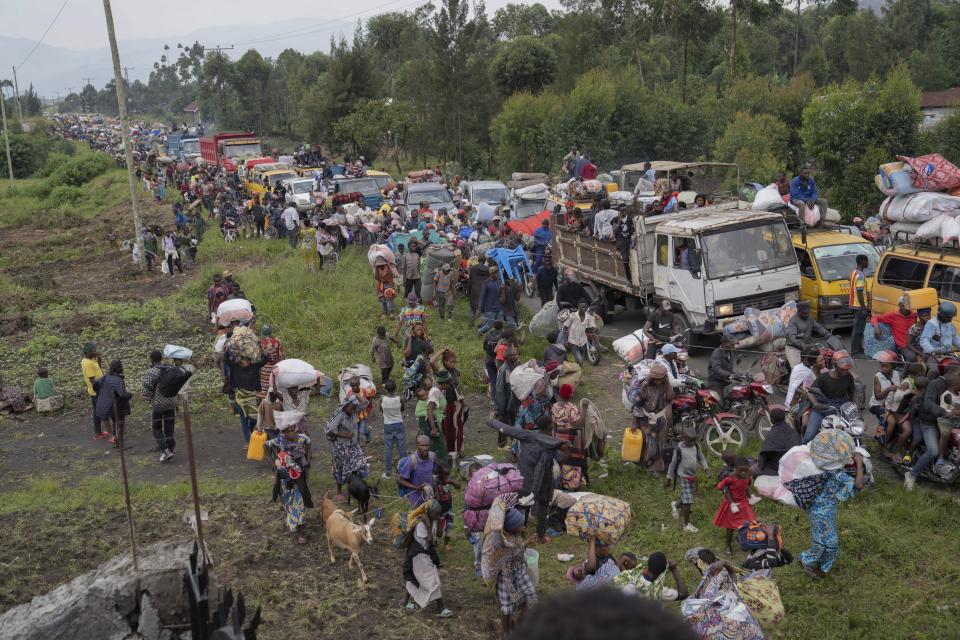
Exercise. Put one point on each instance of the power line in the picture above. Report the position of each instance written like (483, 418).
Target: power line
(49, 26)
(302, 31)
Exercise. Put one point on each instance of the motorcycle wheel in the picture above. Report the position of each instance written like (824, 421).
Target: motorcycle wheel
(762, 425)
(721, 437)
(593, 353)
(529, 285)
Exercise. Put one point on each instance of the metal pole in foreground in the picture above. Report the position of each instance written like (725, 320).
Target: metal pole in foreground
(188, 432)
(6, 134)
(125, 134)
(118, 434)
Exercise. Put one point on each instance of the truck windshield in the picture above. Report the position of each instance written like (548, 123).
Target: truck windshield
(434, 196)
(367, 187)
(491, 195)
(303, 187)
(248, 150)
(277, 178)
(523, 209)
(382, 181)
(765, 246)
(837, 261)
(190, 146)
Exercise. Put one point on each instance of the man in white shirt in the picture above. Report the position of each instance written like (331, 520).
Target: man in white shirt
(603, 221)
(577, 325)
(801, 376)
(291, 221)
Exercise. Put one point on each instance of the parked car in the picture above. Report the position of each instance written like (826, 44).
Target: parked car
(435, 195)
(488, 191)
(300, 193)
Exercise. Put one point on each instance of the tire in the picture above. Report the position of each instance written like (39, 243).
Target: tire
(593, 353)
(719, 437)
(529, 285)
(762, 425)
(683, 327)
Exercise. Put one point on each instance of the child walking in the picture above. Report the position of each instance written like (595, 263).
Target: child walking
(686, 458)
(394, 434)
(735, 508)
(381, 354)
(444, 495)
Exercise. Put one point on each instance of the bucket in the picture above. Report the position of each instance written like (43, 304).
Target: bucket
(532, 556)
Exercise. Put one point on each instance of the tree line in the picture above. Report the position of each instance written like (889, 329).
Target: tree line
(771, 84)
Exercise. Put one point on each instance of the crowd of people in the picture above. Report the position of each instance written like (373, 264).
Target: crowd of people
(539, 430)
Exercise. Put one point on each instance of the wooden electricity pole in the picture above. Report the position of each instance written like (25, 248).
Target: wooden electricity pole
(16, 95)
(125, 134)
(6, 134)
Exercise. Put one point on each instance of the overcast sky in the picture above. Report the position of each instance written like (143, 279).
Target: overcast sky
(81, 26)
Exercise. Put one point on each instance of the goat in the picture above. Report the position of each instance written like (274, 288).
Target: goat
(329, 506)
(346, 535)
(358, 489)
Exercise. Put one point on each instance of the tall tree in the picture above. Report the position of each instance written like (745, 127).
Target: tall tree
(525, 64)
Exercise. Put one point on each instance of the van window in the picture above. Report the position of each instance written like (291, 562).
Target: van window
(663, 250)
(806, 265)
(946, 280)
(903, 273)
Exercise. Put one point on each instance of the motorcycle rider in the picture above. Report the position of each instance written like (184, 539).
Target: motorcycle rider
(659, 329)
(939, 337)
(935, 423)
(720, 370)
(800, 332)
(571, 292)
(837, 386)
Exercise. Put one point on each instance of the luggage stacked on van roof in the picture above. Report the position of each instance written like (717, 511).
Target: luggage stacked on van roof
(923, 197)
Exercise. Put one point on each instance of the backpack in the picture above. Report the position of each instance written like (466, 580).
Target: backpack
(755, 535)
(171, 380)
(490, 343)
(767, 559)
(405, 491)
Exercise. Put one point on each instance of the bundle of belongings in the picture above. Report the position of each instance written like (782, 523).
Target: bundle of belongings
(424, 175)
(766, 329)
(769, 199)
(923, 197)
(579, 189)
(520, 181)
(488, 482)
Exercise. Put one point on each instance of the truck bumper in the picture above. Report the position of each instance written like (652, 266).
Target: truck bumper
(835, 319)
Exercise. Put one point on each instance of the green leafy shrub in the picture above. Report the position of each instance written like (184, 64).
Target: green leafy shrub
(64, 195)
(53, 162)
(80, 170)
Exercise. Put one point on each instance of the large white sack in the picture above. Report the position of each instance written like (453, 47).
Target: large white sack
(931, 228)
(519, 176)
(909, 227)
(631, 348)
(919, 207)
(545, 320)
(294, 373)
(768, 198)
(235, 309)
(525, 377)
(811, 215)
(484, 213)
(950, 230)
(832, 215)
(537, 191)
(380, 251)
(176, 351)
(621, 197)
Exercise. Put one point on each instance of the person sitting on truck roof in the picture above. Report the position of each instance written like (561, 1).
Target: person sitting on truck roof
(803, 192)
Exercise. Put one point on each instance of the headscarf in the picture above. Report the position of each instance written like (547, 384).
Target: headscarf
(512, 519)
(566, 391)
(832, 449)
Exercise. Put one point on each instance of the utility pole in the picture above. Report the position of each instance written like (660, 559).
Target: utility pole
(16, 94)
(223, 99)
(6, 135)
(125, 134)
(86, 81)
(126, 78)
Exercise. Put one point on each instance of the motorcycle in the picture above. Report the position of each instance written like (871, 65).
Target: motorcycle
(749, 402)
(948, 471)
(699, 409)
(593, 338)
(847, 418)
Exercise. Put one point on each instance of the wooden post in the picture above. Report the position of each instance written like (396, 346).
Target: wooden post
(16, 95)
(188, 432)
(118, 435)
(6, 134)
(125, 135)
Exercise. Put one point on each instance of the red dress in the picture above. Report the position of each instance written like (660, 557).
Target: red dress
(725, 517)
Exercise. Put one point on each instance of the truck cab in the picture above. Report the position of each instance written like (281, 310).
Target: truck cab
(826, 258)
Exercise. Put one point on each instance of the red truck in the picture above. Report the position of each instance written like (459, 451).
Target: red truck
(227, 147)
